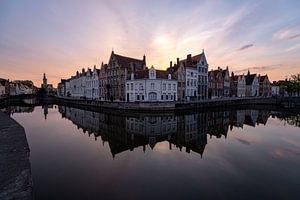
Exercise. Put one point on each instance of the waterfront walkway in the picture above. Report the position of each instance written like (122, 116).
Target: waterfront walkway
(15, 172)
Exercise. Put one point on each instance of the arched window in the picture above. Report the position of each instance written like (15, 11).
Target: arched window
(152, 96)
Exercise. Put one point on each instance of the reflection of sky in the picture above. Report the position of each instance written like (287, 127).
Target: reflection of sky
(68, 164)
(59, 37)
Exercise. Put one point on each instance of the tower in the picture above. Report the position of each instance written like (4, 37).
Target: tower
(44, 85)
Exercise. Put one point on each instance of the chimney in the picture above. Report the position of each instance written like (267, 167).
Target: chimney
(177, 61)
(189, 59)
(170, 64)
(144, 59)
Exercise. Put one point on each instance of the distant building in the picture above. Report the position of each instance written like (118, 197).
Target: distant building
(279, 88)
(237, 85)
(4, 87)
(264, 86)
(77, 85)
(21, 87)
(47, 87)
(275, 89)
(151, 85)
(61, 88)
(103, 86)
(218, 83)
(252, 85)
(92, 83)
(2, 90)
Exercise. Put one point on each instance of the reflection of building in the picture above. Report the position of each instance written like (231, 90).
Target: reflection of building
(45, 108)
(187, 131)
(251, 117)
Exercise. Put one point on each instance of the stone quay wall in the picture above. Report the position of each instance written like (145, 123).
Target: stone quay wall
(15, 170)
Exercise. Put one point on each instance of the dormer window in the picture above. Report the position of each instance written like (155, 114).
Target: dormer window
(152, 74)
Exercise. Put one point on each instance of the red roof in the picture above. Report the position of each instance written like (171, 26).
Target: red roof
(125, 62)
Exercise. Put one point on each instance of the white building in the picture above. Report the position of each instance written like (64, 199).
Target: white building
(191, 79)
(92, 83)
(202, 67)
(77, 85)
(252, 85)
(151, 85)
(275, 90)
(241, 86)
(19, 88)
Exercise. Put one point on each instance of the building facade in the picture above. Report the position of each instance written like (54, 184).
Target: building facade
(77, 85)
(237, 85)
(218, 83)
(252, 85)
(92, 90)
(151, 85)
(191, 74)
(103, 86)
(264, 86)
(118, 69)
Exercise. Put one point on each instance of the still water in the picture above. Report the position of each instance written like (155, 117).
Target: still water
(238, 154)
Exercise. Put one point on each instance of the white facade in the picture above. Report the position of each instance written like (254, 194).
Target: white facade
(18, 88)
(152, 87)
(253, 88)
(191, 80)
(241, 86)
(202, 66)
(275, 90)
(92, 84)
(77, 85)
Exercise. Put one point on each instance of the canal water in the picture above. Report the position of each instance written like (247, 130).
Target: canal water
(236, 154)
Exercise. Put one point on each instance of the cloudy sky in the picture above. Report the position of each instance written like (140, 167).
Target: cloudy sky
(59, 37)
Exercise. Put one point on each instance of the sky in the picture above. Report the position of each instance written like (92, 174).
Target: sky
(59, 37)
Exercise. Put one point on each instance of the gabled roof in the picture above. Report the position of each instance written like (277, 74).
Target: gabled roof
(262, 78)
(193, 62)
(125, 62)
(250, 78)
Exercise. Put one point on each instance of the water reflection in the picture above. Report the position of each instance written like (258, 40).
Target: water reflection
(187, 131)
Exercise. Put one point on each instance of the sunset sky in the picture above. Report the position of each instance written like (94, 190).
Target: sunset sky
(59, 37)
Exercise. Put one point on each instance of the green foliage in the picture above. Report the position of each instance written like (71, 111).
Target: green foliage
(293, 85)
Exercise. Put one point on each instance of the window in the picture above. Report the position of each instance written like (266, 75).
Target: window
(152, 96)
(164, 86)
(152, 86)
(141, 86)
(131, 85)
(152, 74)
(169, 86)
(174, 86)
